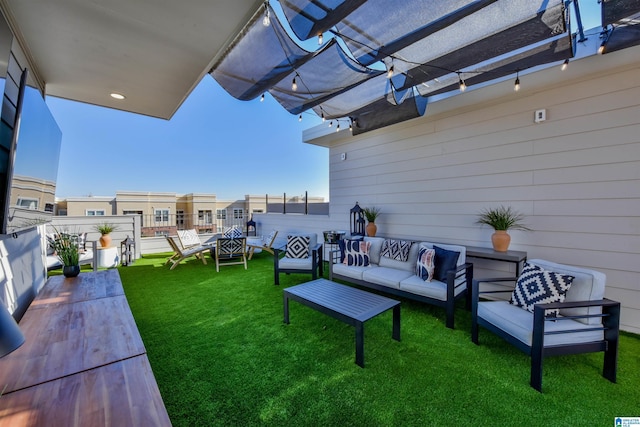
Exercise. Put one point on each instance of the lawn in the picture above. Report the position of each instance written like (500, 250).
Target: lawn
(222, 355)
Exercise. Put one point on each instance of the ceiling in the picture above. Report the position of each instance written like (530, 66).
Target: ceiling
(152, 52)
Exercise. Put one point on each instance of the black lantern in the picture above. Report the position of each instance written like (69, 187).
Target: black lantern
(357, 221)
(251, 227)
(127, 251)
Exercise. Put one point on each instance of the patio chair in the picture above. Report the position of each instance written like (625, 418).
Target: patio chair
(581, 322)
(180, 253)
(259, 244)
(189, 238)
(231, 251)
(302, 254)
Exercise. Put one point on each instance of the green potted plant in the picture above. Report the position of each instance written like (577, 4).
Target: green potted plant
(105, 230)
(65, 247)
(371, 214)
(501, 219)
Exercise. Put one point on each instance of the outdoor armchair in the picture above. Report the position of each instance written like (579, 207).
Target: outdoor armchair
(180, 253)
(230, 251)
(583, 322)
(302, 254)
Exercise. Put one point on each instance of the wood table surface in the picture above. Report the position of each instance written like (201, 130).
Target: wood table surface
(84, 287)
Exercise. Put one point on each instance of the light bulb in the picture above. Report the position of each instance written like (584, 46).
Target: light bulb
(262, 98)
(323, 119)
(601, 48)
(338, 127)
(266, 21)
(390, 72)
(330, 123)
(294, 85)
(300, 118)
(350, 126)
(565, 64)
(516, 86)
(462, 84)
(320, 38)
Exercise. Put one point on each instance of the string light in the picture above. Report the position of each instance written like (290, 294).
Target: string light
(565, 64)
(601, 48)
(338, 127)
(461, 83)
(322, 116)
(300, 118)
(390, 72)
(266, 21)
(320, 38)
(294, 85)
(350, 126)
(516, 86)
(330, 123)
(262, 98)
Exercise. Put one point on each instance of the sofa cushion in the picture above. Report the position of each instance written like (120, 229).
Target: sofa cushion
(425, 265)
(445, 260)
(396, 249)
(519, 323)
(588, 285)
(432, 289)
(297, 247)
(356, 253)
(295, 263)
(386, 276)
(539, 286)
(408, 265)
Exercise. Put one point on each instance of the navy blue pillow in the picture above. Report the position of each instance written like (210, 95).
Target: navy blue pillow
(444, 261)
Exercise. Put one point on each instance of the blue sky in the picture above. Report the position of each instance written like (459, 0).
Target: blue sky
(213, 144)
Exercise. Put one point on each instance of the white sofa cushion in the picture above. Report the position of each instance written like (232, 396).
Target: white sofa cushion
(350, 270)
(386, 276)
(518, 323)
(432, 289)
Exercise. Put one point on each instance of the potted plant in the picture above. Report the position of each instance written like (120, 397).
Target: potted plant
(65, 247)
(502, 219)
(371, 214)
(105, 230)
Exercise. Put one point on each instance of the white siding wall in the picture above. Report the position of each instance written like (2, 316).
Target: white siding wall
(575, 176)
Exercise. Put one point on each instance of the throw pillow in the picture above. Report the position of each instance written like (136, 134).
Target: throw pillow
(425, 265)
(297, 247)
(356, 252)
(539, 286)
(232, 232)
(444, 261)
(396, 249)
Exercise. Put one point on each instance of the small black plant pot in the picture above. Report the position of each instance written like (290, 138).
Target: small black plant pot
(71, 270)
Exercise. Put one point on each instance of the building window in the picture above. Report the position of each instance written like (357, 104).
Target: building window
(140, 213)
(238, 213)
(205, 217)
(94, 212)
(258, 211)
(162, 215)
(221, 214)
(163, 233)
(27, 203)
(180, 219)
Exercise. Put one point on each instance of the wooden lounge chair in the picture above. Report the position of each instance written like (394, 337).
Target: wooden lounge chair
(261, 243)
(180, 253)
(230, 251)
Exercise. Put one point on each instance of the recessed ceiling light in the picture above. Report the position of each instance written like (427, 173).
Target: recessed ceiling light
(117, 95)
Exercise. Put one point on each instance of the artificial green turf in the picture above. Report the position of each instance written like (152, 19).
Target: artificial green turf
(222, 355)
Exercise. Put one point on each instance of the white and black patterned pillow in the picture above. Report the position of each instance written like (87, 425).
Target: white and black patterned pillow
(232, 232)
(396, 249)
(356, 252)
(539, 286)
(425, 266)
(297, 247)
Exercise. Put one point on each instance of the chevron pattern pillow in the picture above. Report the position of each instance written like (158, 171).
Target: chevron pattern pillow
(356, 252)
(425, 266)
(396, 249)
(539, 286)
(297, 247)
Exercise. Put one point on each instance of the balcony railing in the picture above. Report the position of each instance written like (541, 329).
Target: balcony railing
(168, 225)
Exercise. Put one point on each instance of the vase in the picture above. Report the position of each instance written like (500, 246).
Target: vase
(500, 240)
(105, 240)
(371, 229)
(71, 270)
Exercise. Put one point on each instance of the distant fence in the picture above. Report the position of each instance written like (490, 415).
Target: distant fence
(297, 205)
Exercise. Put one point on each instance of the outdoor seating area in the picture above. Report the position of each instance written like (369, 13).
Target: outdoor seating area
(260, 372)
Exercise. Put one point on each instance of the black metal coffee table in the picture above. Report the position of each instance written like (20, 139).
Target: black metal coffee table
(350, 305)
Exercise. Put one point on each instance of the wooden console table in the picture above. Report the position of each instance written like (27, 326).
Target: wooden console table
(83, 361)
(515, 257)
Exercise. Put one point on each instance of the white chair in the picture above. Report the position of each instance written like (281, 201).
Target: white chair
(586, 321)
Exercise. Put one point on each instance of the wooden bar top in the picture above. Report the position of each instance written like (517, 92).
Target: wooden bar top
(62, 339)
(122, 394)
(84, 287)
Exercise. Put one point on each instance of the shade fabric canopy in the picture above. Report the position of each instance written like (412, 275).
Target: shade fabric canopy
(622, 20)
(385, 57)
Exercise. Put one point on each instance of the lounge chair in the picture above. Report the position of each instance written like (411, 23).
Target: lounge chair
(230, 251)
(259, 244)
(180, 253)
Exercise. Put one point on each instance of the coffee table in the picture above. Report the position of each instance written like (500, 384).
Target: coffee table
(345, 303)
